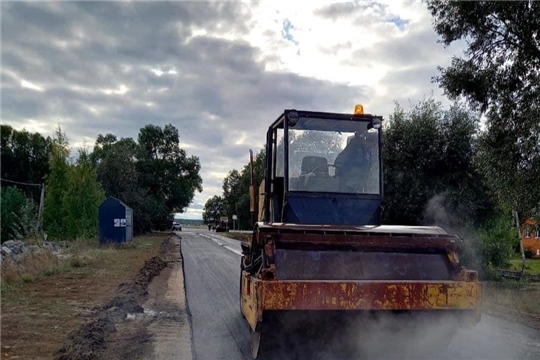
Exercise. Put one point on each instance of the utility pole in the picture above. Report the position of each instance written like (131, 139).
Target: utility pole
(521, 249)
(40, 210)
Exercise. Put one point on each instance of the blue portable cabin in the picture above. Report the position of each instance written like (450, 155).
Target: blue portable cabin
(115, 221)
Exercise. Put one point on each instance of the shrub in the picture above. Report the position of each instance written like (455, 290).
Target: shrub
(19, 215)
(498, 241)
(27, 278)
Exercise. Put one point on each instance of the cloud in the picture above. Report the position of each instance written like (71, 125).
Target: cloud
(337, 10)
(220, 72)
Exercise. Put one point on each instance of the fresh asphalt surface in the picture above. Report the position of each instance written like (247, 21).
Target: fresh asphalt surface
(212, 271)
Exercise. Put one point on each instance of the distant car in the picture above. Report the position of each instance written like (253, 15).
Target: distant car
(176, 226)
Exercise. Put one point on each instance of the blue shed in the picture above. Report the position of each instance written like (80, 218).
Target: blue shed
(115, 221)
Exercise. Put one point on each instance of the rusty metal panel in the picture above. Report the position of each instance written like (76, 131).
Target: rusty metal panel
(249, 300)
(370, 295)
(354, 265)
(374, 242)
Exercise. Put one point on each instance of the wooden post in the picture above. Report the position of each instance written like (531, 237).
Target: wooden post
(521, 248)
(40, 209)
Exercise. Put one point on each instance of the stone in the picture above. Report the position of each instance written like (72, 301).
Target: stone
(9, 243)
(33, 249)
(16, 246)
(6, 251)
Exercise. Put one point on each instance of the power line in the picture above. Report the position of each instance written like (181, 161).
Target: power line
(20, 183)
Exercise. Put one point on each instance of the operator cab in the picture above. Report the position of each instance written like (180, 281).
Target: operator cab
(324, 168)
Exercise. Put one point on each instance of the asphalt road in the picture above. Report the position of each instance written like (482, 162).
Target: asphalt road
(211, 268)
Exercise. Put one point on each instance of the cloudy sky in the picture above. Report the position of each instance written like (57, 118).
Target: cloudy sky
(220, 72)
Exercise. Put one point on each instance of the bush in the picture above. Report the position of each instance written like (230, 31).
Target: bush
(19, 215)
(498, 242)
(28, 220)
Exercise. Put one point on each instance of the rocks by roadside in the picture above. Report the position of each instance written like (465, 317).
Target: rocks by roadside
(19, 258)
(16, 249)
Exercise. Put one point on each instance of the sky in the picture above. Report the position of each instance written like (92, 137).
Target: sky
(220, 72)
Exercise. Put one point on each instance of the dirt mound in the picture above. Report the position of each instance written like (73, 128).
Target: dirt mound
(131, 294)
(89, 340)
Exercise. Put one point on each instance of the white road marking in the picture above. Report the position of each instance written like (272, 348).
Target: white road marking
(238, 252)
(233, 250)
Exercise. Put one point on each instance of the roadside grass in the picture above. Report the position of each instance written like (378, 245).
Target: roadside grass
(44, 302)
(29, 265)
(27, 278)
(532, 266)
(513, 300)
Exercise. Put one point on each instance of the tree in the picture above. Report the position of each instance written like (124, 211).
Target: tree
(154, 176)
(24, 157)
(19, 215)
(213, 209)
(102, 146)
(511, 165)
(232, 191)
(499, 74)
(236, 189)
(165, 169)
(54, 212)
(117, 166)
(429, 172)
(82, 199)
(118, 175)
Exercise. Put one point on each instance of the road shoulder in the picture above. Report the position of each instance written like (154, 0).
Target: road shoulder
(170, 330)
(146, 319)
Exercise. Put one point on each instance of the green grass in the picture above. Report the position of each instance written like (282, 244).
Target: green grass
(56, 270)
(532, 266)
(27, 278)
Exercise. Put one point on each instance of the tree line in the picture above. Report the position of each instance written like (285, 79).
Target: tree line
(470, 166)
(235, 197)
(151, 174)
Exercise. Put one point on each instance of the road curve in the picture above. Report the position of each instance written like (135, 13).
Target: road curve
(211, 269)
